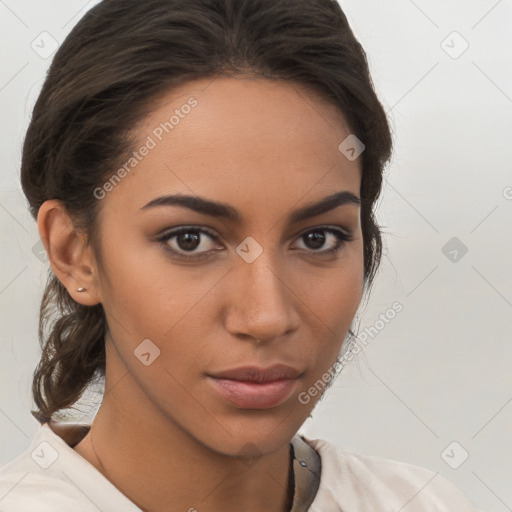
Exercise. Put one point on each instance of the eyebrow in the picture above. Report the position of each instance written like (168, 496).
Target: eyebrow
(226, 211)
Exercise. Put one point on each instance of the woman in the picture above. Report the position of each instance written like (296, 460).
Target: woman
(203, 175)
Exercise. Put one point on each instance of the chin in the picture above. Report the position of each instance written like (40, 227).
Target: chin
(251, 437)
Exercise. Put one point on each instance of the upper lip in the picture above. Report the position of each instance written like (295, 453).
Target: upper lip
(256, 374)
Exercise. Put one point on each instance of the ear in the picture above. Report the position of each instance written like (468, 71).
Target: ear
(71, 259)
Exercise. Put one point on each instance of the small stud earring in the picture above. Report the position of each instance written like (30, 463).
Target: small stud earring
(81, 289)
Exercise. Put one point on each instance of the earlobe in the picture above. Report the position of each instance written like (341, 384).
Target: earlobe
(69, 256)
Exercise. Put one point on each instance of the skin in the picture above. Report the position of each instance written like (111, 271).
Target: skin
(163, 435)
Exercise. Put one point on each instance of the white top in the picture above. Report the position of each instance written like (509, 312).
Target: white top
(51, 477)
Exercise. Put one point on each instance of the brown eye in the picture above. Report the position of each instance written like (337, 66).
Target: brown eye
(189, 242)
(315, 239)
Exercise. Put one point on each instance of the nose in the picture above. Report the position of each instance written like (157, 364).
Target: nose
(261, 302)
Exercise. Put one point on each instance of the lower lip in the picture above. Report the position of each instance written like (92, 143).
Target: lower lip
(251, 395)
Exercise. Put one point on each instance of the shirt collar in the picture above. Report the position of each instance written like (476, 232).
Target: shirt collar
(306, 466)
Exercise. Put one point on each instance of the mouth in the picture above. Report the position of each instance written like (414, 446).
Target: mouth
(251, 387)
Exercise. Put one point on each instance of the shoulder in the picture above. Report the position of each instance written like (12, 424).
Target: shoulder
(359, 482)
(49, 476)
(25, 485)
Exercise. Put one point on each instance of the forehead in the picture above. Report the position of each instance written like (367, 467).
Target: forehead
(239, 140)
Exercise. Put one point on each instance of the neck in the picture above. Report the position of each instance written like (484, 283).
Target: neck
(159, 466)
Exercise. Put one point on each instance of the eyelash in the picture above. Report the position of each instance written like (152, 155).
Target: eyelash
(342, 237)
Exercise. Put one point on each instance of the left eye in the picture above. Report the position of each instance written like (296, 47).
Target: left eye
(315, 239)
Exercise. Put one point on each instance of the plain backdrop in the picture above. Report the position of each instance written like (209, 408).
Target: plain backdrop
(433, 385)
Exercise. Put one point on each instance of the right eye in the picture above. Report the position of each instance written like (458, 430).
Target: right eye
(189, 242)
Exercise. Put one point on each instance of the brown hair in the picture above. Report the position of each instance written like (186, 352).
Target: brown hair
(120, 57)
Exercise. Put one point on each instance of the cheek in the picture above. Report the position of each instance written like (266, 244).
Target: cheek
(334, 294)
(332, 298)
(135, 290)
(149, 296)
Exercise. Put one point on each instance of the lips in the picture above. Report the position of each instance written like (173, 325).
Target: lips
(259, 375)
(256, 388)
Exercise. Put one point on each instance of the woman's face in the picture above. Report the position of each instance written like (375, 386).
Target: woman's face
(251, 282)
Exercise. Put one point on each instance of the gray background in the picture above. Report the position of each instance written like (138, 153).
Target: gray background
(439, 372)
